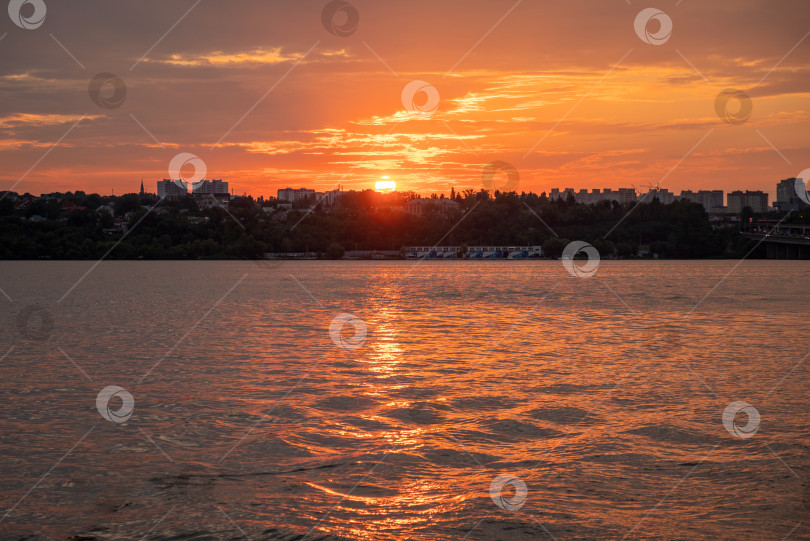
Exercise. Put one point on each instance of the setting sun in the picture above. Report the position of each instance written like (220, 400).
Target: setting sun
(385, 184)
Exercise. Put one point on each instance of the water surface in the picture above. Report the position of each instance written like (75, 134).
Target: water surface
(604, 396)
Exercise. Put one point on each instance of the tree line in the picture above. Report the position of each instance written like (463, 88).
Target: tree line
(76, 225)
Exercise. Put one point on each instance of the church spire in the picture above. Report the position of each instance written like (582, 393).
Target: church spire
(141, 185)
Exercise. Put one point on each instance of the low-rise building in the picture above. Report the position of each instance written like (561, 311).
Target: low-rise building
(210, 201)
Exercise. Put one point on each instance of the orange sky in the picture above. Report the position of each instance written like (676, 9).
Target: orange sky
(567, 92)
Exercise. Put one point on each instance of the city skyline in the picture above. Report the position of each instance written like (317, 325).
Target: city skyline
(786, 192)
(784, 197)
(277, 101)
(770, 188)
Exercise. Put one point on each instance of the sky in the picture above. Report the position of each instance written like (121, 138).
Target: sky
(270, 94)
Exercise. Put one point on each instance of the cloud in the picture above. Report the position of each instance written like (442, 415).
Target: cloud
(254, 57)
(546, 71)
(17, 120)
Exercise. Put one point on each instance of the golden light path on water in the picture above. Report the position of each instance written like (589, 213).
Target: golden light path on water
(604, 396)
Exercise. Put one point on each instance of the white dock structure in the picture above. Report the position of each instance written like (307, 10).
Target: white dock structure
(473, 252)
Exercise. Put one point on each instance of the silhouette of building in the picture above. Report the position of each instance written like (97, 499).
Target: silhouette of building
(712, 200)
(419, 207)
(622, 195)
(171, 189)
(211, 193)
(664, 196)
(215, 187)
(738, 200)
(787, 195)
(290, 195)
(328, 199)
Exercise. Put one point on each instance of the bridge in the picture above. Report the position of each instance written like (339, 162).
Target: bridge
(784, 244)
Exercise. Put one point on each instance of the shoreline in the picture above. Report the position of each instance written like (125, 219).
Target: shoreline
(281, 260)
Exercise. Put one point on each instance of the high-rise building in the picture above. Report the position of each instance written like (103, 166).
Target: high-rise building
(290, 195)
(327, 199)
(664, 196)
(715, 200)
(788, 194)
(757, 200)
(712, 200)
(171, 189)
(627, 195)
(738, 200)
(211, 193)
(622, 195)
(689, 195)
(215, 187)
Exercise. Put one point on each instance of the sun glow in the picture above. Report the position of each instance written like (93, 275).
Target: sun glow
(385, 184)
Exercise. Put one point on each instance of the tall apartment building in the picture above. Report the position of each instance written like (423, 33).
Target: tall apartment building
(788, 194)
(757, 200)
(664, 196)
(712, 200)
(557, 194)
(738, 200)
(211, 193)
(626, 195)
(716, 200)
(622, 195)
(171, 189)
(290, 195)
(215, 187)
(328, 199)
